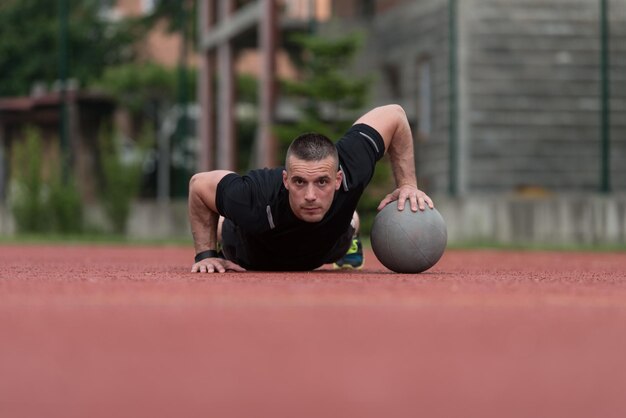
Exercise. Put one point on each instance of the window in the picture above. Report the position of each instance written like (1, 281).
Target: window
(424, 97)
(392, 77)
(367, 8)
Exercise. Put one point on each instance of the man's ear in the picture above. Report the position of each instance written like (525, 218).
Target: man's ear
(285, 178)
(338, 179)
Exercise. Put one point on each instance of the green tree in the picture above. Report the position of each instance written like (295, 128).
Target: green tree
(29, 42)
(40, 200)
(327, 96)
(121, 175)
(65, 203)
(136, 86)
(28, 199)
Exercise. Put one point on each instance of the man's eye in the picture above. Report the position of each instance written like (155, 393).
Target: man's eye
(299, 182)
(323, 182)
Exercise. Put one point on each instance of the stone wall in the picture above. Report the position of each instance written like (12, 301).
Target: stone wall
(562, 220)
(533, 105)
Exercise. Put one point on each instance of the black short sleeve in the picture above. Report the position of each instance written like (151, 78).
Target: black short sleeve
(359, 150)
(244, 199)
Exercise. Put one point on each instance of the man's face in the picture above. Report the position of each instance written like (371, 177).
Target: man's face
(311, 186)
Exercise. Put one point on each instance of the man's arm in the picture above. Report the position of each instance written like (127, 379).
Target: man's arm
(204, 218)
(392, 124)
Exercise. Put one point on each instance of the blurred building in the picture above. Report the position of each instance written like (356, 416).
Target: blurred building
(231, 34)
(163, 47)
(503, 94)
(504, 97)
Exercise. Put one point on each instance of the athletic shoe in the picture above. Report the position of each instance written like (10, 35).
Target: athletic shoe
(353, 258)
(220, 251)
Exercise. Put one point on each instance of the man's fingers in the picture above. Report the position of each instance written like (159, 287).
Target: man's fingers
(215, 265)
(235, 267)
(421, 203)
(401, 201)
(202, 267)
(418, 200)
(413, 201)
(388, 199)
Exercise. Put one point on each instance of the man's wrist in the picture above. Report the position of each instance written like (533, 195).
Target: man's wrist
(206, 254)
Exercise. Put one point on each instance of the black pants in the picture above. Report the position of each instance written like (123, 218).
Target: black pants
(234, 249)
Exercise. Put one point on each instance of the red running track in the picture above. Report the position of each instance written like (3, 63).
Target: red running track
(96, 331)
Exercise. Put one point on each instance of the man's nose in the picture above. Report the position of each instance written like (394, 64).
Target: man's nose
(310, 193)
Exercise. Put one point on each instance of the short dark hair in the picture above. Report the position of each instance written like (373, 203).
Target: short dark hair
(312, 147)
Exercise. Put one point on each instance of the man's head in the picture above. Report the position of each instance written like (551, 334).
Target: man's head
(311, 176)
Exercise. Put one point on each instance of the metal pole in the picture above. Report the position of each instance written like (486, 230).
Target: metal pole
(226, 94)
(206, 91)
(181, 127)
(182, 70)
(63, 66)
(312, 16)
(605, 110)
(453, 158)
(266, 146)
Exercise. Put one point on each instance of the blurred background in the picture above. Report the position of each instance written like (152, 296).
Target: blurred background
(518, 108)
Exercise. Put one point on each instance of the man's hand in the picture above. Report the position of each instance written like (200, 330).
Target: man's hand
(215, 264)
(417, 198)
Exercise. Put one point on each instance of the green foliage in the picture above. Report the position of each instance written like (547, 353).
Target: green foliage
(135, 85)
(29, 42)
(181, 16)
(121, 176)
(41, 204)
(28, 200)
(65, 203)
(247, 88)
(382, 183)
(328, 97)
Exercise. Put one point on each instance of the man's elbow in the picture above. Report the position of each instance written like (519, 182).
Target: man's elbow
(200, 182)
(396, 109)
(207, 180)
(195, 180)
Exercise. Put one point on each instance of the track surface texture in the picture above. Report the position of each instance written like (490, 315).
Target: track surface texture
(99, 331)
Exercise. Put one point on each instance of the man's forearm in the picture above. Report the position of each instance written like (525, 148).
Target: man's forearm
(401, 154)
(393, 126)
(204, 232)
(203, 222)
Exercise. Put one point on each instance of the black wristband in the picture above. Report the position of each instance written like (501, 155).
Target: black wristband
(206, 254)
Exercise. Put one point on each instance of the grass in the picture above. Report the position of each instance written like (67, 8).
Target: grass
(492, 245)
(91, 238)
(99, 238)
(484, 245)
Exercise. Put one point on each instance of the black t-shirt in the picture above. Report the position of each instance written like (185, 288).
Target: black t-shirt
(271, 236)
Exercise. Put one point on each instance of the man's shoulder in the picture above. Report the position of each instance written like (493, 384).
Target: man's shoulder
(244, 198)
(361, 134)
(261, 177)
(268, 174)
(264, 183)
